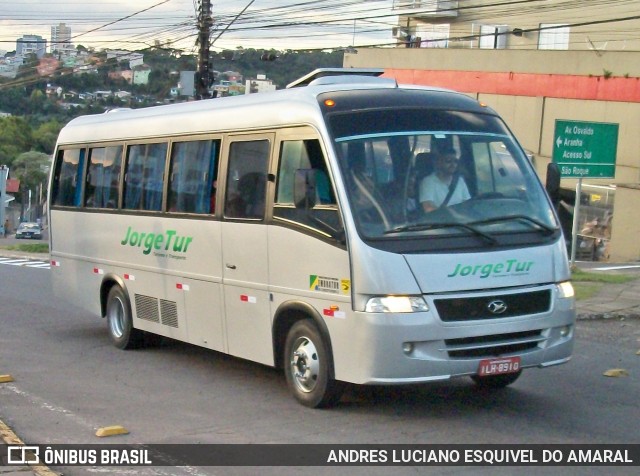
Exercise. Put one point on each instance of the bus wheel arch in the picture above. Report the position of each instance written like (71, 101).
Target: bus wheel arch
(287, 314)
(117, 310)
(303, 349)
(109, 282)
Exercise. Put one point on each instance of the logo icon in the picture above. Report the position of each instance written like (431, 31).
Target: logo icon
(497, 306)
(23, 455)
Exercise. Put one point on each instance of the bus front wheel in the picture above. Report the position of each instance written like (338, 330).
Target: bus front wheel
(307, 363)
(120, 321)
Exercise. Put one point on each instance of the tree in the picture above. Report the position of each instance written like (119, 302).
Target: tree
(45, 136)
(32, 169)
(15, 137)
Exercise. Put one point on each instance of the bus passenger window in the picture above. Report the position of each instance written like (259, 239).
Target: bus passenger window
(103, 177)
(192, 177)
(68, 177)
(247, 179)
(144, 177)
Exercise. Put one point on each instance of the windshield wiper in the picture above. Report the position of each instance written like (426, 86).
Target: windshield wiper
(543, 226)
(436, 226)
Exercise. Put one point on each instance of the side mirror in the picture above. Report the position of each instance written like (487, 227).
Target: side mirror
(553, 182)
(304, 188)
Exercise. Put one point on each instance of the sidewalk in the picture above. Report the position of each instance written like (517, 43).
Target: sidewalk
(611, 301)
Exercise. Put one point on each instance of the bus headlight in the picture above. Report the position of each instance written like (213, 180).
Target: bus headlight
(565, 290)
(396, 304)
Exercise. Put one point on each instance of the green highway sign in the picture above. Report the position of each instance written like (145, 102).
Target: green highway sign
(585, 149)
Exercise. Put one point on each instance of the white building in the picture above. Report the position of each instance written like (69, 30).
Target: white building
(259, 85)
(61, 41)
(134, 59)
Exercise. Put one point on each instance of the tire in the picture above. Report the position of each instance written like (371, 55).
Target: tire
(306, 367)
(120, 321)
(496, 381)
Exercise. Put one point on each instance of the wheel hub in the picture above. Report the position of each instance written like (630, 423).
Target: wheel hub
(305, 365)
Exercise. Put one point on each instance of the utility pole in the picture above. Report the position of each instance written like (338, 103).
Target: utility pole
(204, 75)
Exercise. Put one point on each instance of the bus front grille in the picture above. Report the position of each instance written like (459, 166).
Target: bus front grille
(494, 345)
(476, 308)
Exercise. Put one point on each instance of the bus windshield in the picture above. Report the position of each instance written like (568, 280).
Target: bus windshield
(419, 172)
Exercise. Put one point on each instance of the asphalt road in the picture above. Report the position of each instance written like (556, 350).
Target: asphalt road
(70, 381)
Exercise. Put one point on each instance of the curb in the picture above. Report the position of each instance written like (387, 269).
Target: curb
(10, 438)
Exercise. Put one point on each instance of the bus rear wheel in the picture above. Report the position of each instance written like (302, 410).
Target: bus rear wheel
(307, 363)
(120, 321)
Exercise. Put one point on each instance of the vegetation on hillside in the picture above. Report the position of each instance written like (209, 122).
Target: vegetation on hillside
(28, 135)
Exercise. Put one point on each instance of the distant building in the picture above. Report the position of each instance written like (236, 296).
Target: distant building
(134, 59)
(127, 75)
(9, 66)
(102, 94)
(29, 44)
(61, 41)
(141, 74)
(187, 87)
(233, 76)
(259, 85)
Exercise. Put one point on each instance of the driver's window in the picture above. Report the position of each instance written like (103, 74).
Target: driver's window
(496, 170)
(304, 155)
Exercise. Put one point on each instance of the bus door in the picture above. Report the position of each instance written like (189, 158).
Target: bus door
(244, 248)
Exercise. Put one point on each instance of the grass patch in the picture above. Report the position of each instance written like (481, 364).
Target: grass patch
(586, 290)
(587, 284)
(580, 276)
(29, 247)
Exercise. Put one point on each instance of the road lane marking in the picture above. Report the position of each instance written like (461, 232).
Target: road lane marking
(25, 262)
(612, 268)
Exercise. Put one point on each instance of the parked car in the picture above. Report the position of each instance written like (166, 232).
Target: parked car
(29, 230)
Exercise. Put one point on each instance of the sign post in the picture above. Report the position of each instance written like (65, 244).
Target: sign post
(584, 150)
(4, 173)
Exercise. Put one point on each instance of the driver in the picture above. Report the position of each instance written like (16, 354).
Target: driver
(444, 186)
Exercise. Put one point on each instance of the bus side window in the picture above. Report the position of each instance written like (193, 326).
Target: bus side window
(67, 185)
(192, 177)
(301, 155)
(103, 177)
(144, 176)
(247, 179)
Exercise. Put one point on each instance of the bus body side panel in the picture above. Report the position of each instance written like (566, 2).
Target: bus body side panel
(304, 268)
(168, 267)
(72, 276)
(244, 251)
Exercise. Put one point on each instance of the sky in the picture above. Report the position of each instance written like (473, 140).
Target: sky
(259, 24)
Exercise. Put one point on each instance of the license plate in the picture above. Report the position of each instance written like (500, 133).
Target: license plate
(505, 365)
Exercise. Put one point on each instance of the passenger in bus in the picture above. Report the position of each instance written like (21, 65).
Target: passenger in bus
(444, 186)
